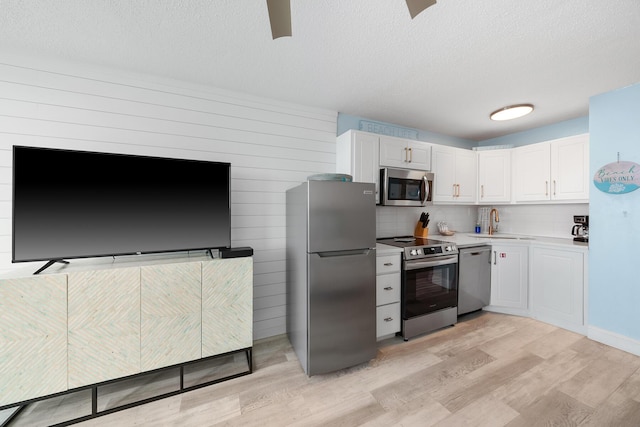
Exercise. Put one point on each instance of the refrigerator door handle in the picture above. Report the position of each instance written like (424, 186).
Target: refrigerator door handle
(365, 251)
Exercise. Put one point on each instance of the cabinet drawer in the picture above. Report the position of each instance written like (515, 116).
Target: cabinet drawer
(388, 319)
(387, 288)
(387, 264)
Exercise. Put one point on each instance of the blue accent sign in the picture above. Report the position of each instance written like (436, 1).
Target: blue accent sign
(618, 178)
(389, 130)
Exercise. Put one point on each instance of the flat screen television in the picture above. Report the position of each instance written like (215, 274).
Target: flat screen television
(79, 204)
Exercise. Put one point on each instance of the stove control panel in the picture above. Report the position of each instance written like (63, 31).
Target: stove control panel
(417, 252)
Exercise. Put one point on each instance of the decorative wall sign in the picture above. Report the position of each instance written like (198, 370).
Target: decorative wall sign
(618, 177)
(390, 130)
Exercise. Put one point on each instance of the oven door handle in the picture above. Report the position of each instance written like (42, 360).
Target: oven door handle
(415, 265)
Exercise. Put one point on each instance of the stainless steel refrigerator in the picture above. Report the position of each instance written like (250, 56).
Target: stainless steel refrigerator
(331, 274)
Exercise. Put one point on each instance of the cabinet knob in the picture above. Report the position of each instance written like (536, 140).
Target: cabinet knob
(388, 319)
(388, 288)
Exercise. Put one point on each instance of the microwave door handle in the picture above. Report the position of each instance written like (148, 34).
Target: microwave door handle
(425, 190)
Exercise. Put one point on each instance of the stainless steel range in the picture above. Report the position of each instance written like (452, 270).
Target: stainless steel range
(429, 284)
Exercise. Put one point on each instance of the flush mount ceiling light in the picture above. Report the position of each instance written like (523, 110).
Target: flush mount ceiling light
(280, 14)
(511, 112)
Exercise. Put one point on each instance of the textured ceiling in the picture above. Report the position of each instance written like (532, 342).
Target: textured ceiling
(443, 71)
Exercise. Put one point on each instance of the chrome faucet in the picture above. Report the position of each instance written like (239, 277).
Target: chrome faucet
(493, 214)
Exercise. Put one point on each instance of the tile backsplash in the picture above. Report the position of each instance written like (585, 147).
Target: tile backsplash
(551, 220)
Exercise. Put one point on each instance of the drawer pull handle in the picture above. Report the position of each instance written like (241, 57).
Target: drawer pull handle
(388, 319)
(388, 288)
(388, 264)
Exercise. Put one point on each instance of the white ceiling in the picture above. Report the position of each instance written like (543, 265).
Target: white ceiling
(443, 71)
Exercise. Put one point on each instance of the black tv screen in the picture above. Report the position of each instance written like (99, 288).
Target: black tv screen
(78, 204)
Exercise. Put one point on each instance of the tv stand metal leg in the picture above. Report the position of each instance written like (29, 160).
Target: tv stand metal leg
(49, 264)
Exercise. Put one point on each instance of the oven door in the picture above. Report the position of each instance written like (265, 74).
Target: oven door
(429, 285)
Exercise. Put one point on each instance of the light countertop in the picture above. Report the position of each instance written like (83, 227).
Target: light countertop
(382, 249)
(469, 239)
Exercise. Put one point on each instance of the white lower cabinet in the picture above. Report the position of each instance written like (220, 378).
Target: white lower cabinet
(33, 337)
(387, 295)
(171, 314)
(227, 306)
(509, 279)
(104, 325)
(557, 287)
(387, 320)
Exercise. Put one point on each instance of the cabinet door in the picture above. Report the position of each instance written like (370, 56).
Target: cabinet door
(387, 320)
(104, 325)
(387, 288)
(509, 278)
(419, 155)
(171, 314)
(394, 152)
(444, 169)
(33, 337)
(227, 305)
(532, 172)
(557, 287)
(494, 176)
(570, 168)
(357, 155)
(466, 176)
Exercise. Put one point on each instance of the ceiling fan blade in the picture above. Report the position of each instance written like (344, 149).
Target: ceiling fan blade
(417, 6)
(280, 17)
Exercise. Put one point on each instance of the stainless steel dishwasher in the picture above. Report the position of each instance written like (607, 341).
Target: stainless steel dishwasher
(474, 278)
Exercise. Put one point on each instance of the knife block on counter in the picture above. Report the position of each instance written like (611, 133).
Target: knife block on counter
(420, 232)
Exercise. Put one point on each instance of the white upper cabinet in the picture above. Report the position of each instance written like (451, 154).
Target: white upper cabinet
(494, 176)
(554, 170)
(570, 168)
(357, 155)
(404, 153)
(455, 179)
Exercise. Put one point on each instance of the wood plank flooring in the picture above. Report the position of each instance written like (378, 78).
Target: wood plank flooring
(488, 370)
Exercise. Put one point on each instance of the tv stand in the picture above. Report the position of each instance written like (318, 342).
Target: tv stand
(100, 325)
(49, 264)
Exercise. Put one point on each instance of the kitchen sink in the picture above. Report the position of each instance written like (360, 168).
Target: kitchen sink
(500, 236)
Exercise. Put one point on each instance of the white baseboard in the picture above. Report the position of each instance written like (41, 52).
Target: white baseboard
(612, 339)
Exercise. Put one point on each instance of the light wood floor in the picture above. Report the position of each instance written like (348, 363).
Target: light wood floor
(488, 370)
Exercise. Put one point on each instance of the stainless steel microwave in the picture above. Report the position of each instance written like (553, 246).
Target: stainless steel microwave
(404, 187)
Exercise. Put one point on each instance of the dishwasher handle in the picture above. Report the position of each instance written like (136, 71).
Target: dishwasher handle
(475, 252)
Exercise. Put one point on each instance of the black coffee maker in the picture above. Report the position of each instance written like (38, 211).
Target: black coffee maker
(580, 230)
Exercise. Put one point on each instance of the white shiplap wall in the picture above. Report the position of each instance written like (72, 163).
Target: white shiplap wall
(271, 145)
